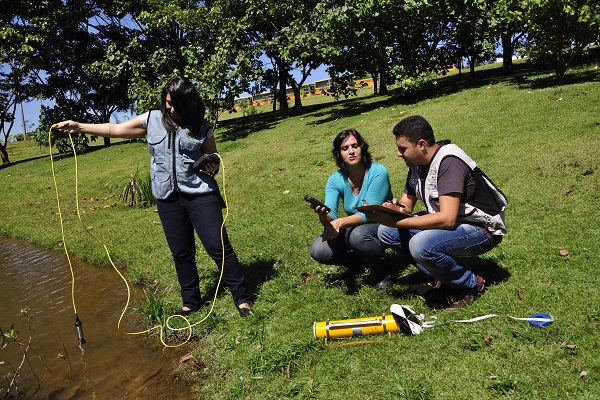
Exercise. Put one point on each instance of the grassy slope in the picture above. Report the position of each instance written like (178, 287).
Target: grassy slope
(540, 144)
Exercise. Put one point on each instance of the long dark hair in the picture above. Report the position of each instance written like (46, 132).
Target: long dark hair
(364, 146)
(186, 101)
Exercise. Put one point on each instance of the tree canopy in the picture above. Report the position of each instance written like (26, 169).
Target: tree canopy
(92, 58)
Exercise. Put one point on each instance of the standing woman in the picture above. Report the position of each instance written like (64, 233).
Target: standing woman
(187, 201)
(358, 180)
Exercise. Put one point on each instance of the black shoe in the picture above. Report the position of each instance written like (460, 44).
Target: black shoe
(183, 313)
(386, 283)
(244, 311)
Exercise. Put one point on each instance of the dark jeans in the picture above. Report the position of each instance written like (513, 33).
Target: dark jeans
(351, 246)
(182, 214)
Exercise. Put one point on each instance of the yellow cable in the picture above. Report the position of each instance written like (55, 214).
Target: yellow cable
(62, 227)
(168, 326)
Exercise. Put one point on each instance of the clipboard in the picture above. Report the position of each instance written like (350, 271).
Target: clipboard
(377, 207)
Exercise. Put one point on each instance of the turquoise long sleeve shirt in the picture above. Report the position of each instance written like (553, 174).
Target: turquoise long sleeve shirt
(376, 189)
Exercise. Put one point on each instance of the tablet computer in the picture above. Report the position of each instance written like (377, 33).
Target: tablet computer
(377, 207)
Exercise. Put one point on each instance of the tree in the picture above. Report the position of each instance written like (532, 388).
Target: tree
(18, 42)
(423, 46)
(471, 34)
(76, 35)
(10, 97)
(559, 31)
(285, 30)
(361, 35)
(56, 46)
(234, 63)
(508, 23)
(390, 40)
(305, 47)
(206, 41)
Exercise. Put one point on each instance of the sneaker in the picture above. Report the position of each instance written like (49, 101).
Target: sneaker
(467, 296)
(385, 283)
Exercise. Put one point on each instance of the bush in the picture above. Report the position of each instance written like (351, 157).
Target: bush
(138, 191)
(60, 141)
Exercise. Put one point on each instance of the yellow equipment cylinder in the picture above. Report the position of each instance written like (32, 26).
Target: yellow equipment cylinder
(354, 327)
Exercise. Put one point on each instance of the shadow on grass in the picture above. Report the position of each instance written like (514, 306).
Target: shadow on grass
(355, 277)
(61, 156)
(256, 273)
(493, 273)
(13, 163)
(346, 277)
(525, 76)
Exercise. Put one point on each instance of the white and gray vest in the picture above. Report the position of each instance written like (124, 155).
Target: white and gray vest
(172, 157)
(485, 208)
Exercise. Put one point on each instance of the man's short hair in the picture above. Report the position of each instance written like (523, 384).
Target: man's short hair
(415, 128)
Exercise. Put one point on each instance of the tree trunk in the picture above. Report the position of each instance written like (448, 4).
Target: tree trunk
(274, 92)
(4, 153)
(283, 105)
(296, 89)
(507, 54)
(472, 67)
(383, 89)
(375, 77)
(297, 96)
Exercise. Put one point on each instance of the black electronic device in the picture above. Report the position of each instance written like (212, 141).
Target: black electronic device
(79, 330)
(206, 158)
(316, 202)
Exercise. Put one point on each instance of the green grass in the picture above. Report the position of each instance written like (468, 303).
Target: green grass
(540, 143)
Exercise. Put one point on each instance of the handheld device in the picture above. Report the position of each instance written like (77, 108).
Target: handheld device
(316, 202)
(377, 207)
(206, 158)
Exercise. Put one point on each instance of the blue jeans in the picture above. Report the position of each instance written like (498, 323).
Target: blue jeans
(182, 214)
(361, 241)
(435, 251)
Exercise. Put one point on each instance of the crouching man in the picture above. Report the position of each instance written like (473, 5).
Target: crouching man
(464, 210)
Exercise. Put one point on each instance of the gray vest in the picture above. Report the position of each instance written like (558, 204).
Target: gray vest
(172, 157)
(487, 206)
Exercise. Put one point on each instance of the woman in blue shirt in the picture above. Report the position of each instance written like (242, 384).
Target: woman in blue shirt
(358, 180)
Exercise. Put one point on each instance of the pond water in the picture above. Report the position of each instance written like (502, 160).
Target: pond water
(112, 364)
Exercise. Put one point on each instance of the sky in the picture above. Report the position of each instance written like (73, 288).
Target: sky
(31, 110)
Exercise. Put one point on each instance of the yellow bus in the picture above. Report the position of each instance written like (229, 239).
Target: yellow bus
(322, 86)
(308, 89)
(262, 99)
(362, 82)
(238, 102)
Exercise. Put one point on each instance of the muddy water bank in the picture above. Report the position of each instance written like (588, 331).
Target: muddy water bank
(112, 364)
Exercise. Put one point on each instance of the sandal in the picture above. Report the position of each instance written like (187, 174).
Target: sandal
(244, 310)
(183, 313)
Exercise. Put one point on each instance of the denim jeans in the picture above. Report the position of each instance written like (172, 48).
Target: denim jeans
(182, 214)
(435, 251)
(361, 241)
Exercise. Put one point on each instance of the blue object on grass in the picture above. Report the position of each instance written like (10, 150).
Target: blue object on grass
(547, 319)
